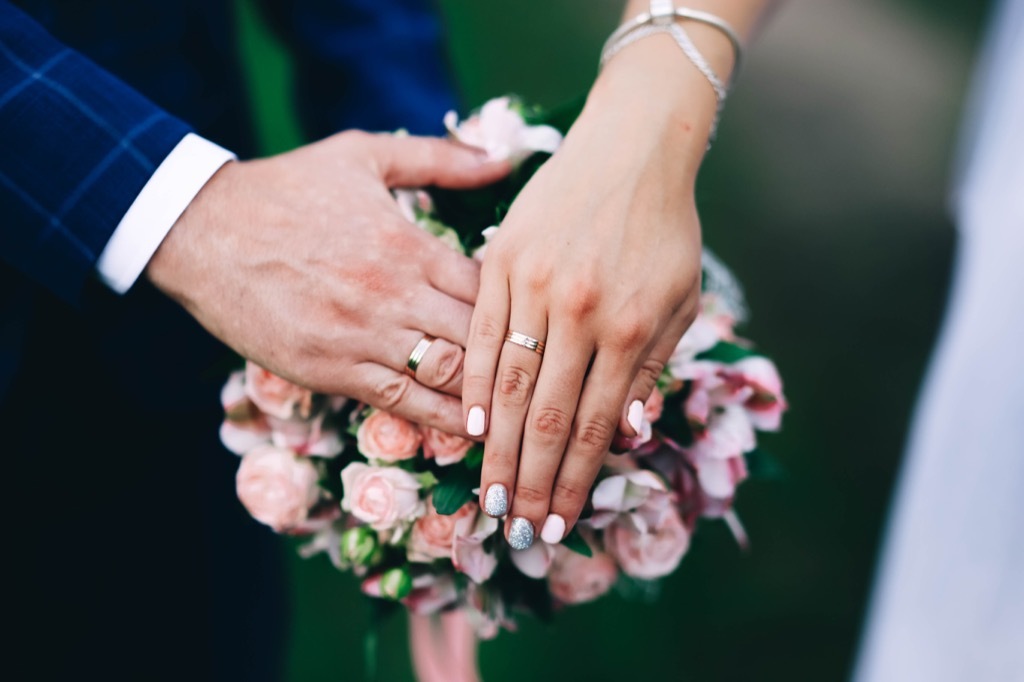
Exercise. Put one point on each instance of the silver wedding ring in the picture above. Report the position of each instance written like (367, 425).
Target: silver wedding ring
(527, 342)
(416, 356)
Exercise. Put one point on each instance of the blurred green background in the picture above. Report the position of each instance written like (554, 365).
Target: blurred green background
(826, 192)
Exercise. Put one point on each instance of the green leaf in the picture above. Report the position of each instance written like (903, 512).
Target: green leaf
(576, 543)
(727, 353)
(763, 464)
(455, 489)
(475, 457)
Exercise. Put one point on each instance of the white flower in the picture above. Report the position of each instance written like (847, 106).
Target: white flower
(501, 131)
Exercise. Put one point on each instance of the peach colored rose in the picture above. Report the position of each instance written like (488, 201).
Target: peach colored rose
(276, 396)
(383, 497)
(433, 534)
(575, 579)
(647, 551)
(442, 447)
(277, 487)
(388, 438)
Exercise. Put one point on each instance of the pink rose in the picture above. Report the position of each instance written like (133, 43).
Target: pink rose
(468, 553)
(431, 593)
(500, 130)
(535, 561)
(575, 579)
(623, 493)
(702, 335)
(433, 534)
(765, 403)
(383, 497)
(647, 551)
(654, 406)
(729, 433)
(306, 436)
(276, 396)
(719, 477)
(442, 447)
(388, 438)
(245, 427)
(277, 487)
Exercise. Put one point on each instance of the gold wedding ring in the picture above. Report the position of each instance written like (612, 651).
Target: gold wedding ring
(527, 342)
(416, 356)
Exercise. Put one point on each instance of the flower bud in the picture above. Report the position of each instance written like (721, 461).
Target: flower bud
(359, 546)
(396, 583)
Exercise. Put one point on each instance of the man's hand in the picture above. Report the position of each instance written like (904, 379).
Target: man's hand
(303, 263)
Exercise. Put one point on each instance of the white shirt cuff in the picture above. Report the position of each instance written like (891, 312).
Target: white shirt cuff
(161, 202)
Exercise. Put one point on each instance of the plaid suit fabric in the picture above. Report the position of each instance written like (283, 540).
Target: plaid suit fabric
(77, 147)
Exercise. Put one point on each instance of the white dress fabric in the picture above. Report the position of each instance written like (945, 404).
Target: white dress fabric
(949, 596)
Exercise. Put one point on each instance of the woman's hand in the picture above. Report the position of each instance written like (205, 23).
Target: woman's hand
(599, 257)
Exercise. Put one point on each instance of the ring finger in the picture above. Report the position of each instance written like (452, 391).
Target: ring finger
(440, 363)
(516, 376)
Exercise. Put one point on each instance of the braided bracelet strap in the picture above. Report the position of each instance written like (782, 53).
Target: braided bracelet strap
(662, 19)
(656, 16)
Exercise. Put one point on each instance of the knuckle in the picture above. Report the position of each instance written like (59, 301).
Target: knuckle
(550, 423)
(354, 137)
(391, 392)
(447, 367)
(569, 496)
(500, 459)
(651, 370)
(514, 385)
(538, 280)
(595, 433)
(630, 332)
(532, 495)
(582, 298)
(488, 330)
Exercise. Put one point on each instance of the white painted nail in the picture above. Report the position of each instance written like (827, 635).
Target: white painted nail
(496, 500)
(553, 530)
(635, 416)
(476, 421)
(520, 535)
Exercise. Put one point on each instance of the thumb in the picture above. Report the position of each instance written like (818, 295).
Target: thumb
(405, 161)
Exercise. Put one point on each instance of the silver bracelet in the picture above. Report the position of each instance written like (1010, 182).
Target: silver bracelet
(662, 20)
(659, 15)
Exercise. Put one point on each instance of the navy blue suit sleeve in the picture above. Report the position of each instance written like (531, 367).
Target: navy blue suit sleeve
(76, 147)
(370, 64)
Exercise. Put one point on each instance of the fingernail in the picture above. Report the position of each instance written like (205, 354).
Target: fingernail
(475, 421)
(553, 530)
(496, 500)
(520, 536)
(635, 416)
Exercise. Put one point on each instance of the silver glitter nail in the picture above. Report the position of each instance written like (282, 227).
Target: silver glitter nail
(521, 534)
(496, 500)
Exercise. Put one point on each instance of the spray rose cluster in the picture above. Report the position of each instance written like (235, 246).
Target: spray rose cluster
(395, 502)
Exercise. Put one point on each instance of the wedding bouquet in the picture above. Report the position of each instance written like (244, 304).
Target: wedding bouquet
(395, 502)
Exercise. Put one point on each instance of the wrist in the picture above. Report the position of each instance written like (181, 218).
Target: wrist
(650, 99)
(177, 265)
